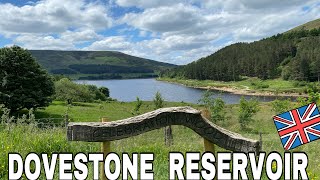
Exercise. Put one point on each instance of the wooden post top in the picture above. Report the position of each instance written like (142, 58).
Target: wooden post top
(185, 116)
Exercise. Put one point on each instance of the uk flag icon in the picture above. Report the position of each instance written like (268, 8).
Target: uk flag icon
(298, 126)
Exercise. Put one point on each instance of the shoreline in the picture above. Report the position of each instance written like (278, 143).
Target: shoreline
(234, 90)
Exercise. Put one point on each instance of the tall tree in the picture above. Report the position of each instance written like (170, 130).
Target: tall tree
(23, 83)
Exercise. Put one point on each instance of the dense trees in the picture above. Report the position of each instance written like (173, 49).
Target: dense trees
(293, 55)
(69, 91)
(104, 68)
(23, 83)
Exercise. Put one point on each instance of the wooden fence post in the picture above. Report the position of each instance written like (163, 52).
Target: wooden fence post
(208, 146)
(105, 149)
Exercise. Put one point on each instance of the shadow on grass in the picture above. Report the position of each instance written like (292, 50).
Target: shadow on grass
(42, 114)
(83, 104)
(250, 130)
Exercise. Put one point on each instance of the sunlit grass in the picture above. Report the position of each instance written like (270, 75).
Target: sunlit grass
(248, 83)
(26, 139)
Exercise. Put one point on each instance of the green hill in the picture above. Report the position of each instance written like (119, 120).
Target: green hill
(294, 55)
(98, 64)
(307, 26)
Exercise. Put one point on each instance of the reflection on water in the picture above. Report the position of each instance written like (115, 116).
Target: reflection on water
(145, 89)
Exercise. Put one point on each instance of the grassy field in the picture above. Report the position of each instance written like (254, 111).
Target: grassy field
(25, 139)
(274, 86)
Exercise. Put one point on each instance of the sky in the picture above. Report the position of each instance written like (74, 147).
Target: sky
(173, 31)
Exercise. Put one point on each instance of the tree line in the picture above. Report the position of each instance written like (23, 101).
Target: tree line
(293, 55)
(25, 84)
(104, 68)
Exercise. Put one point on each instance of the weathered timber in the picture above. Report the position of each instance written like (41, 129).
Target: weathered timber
(185, 116)
(105, 149)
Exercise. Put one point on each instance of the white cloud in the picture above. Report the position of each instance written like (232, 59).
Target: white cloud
(165, 19)
(146, 3)
(80, 36)
(171, 31)
(53, 16)
(113, 43)
(253, 5)
(43, 42)
(179, 42)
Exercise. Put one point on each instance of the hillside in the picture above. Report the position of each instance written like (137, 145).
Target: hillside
(98, 64)
(307, 26)
(293, 55)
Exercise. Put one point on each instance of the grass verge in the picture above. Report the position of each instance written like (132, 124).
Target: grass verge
(26, 139)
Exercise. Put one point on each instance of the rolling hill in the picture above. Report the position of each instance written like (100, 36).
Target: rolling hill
(294, 55)
(307, 26)
(98, 64)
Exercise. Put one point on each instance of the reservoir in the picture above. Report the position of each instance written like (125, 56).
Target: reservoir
(128, 89)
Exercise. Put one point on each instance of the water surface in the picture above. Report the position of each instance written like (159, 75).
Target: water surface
(128, 89)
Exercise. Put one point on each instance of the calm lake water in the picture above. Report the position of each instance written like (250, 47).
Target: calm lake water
(145, 89)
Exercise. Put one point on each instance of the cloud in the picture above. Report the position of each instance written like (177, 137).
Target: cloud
(80, 36)
(43, 42)
(179, 42)
(146, 3)
(165, 19)
(112, 43)
(253, 5)
(53, 16)
(171, 31)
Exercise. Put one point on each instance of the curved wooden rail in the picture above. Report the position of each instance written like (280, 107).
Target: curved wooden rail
(185, 116)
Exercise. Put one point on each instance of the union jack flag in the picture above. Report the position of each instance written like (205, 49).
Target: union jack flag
(298, 126)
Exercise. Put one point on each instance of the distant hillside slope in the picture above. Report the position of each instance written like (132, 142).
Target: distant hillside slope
(307, 26)
(98, 64)
(292, 55)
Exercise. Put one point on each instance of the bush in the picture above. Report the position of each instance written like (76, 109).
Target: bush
(69, 91)
(218, 112)
(7, 119)
(259, 85)
(158, 100)
(137, 107)
(248, 108)
(206, 99)
(97, 94)
(105, 91)
(216, 106)
(299, 83)
(280, 106)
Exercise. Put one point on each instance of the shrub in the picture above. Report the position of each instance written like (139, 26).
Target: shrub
(97, 94)
(299, 83)
(158, 100)
(216, 106)
(105, 91)
(218, 112)
(280, 106)
(248, 108)
(259, 85)
(206, 99)
(137, 107)
(69, 91)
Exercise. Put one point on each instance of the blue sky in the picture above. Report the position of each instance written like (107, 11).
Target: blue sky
(177, 31)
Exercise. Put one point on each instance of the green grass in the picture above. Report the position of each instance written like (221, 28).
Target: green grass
(25, 139)
(249, 84)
